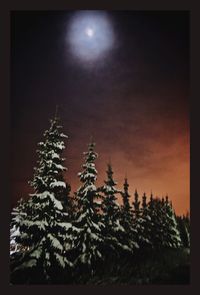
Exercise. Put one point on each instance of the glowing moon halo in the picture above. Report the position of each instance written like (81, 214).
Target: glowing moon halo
(89, 32)
(90, 35)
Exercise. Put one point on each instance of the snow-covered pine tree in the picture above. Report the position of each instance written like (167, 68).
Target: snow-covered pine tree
(136, 205)
(184, 228)
(142, 221)
(186, 220)
(144, 202)
(184, 234)
(114, 232)
(145, 237)
(163, 226)
(49, 173)
(18, 214)
(89, 239)
(46, 231)
(156, 224)
(127, 219)
(126, 207)
(171, 234)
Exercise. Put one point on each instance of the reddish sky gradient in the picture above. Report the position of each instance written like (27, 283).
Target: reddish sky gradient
(135, 102)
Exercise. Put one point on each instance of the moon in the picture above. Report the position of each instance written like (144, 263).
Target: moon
(89, 32)
(90, 35)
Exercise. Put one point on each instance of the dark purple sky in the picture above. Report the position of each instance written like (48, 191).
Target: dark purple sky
(134, 101)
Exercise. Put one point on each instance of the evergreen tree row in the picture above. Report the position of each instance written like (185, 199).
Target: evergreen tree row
(55, 233)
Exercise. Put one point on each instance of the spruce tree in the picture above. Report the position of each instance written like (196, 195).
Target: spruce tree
(154, 232)
(171, 233)
(126, 198)
(183, 229)
(144, 202)
(49, 173)
(156, 224)
(18, 214)
(136, 205)
(145, 240)
(89, 239)
(46, 230)
(114, 232)
(142, 221)
(163, 226)
(127, 219)
(186, 219)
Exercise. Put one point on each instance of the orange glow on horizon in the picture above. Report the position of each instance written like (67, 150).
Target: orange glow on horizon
(167, 173)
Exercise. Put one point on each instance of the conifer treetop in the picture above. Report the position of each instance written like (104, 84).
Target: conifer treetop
(45, 228)
(136, 202)
(126, 186)
(89, 238)
(49, 172)
(144, 201)
(126, 196)
(89, 174)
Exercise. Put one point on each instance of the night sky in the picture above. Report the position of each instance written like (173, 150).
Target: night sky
(133, 100)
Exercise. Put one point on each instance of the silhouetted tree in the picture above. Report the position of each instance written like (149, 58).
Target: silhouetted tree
(18, 214)
(136, 205)
(156, 225)
(171, 233)
(184, 234)
(142, 222)
(127, 219)
(89, 238)
(49, 173)
(114, 232)
(46, 231)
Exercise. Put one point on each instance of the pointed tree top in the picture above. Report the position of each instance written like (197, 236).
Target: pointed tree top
(91, 145)
(136, 196)
(56, 117)
(91, 138)
(126, 179)
(126, 185)
(109, 170)
(144, 198)
(109, 161)
(151, 196)
(136, 203)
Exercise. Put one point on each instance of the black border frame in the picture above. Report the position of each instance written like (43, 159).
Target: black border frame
(5, 140)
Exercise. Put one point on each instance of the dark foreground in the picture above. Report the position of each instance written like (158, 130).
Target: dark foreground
(167, 266)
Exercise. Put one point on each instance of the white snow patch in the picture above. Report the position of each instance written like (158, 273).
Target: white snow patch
(59, 166)
(58, 184)
(59, 145)
(55, 242)
(118, 227)
(63, 135)
(66, 225)
(98, 202)
(55, 155)
(89, 188)
(37, 253)
(60, 259)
